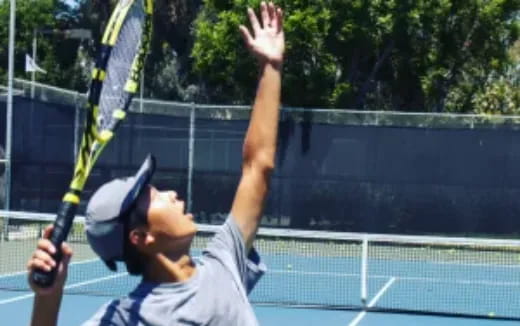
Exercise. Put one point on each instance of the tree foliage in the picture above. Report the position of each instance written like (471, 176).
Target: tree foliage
(406, 55)
(68, 62)
(30, 15)
(411, 55)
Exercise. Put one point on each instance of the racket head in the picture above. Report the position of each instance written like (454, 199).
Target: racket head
(118, 69)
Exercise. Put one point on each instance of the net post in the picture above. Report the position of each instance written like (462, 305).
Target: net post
(191, 145)
(364, 270)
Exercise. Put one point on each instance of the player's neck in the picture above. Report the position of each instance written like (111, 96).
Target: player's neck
(163, 269)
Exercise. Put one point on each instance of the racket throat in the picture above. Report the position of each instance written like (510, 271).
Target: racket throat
(72, 196)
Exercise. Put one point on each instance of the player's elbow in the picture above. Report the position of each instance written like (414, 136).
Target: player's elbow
(265, 164)
(261, 161)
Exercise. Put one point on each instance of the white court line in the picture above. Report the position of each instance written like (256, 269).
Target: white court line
(282, 271)
(71, 286)
(71, 264)
(488, 265)
(372, 303)
(403, 278)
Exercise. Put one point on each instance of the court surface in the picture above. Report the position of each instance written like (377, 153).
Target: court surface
(313, 278)
(77, 308)
(441, 291)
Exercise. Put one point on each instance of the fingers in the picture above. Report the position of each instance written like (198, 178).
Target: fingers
(264, 12)
(253, 20)
(46, 245)
(248, 39)
(279, 20)
(41, 260)
(271, 16)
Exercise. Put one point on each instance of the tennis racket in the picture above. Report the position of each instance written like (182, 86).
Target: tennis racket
(115, 79)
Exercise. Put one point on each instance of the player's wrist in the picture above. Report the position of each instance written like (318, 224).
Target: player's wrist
(49, 294)
(271, 65)
(50, 297)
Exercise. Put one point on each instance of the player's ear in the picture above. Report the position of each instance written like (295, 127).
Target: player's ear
(140, 237)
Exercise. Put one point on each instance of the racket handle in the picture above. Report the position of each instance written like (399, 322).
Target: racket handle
(60, 231)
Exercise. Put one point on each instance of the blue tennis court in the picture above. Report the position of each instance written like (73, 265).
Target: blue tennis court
(317, 286)
(77, 308)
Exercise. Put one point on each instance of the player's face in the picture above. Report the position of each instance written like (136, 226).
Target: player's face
(171, 228)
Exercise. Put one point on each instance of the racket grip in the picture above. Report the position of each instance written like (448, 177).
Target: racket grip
(60, 231)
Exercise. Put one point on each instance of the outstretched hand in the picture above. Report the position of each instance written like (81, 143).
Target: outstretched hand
(266, 42)
(42, 259)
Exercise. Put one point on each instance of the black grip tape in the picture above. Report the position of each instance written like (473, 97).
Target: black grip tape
(62, 226)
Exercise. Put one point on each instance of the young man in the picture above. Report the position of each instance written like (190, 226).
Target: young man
(129, 220)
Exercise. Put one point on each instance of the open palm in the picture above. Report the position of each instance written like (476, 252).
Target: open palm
(266, 42)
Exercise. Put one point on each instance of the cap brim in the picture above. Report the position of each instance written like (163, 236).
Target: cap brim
(139, 181)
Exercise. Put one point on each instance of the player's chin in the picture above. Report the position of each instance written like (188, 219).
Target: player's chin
(189, 216)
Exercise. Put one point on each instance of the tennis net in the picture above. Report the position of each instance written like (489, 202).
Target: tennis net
(326, 270)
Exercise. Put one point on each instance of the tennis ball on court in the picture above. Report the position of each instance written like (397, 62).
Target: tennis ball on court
(289, 266)
(491, 314)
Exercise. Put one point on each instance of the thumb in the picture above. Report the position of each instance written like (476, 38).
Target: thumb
(248, 39)
(47, 231)
(67, 254)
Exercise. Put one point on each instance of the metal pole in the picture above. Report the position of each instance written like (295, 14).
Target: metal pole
(9, 115)
(191, 145)
(364, 270)
(33, 73)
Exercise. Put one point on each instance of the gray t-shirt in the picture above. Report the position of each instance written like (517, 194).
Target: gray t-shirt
(215, 295)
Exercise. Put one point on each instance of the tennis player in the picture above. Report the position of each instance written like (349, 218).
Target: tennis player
(131, 221)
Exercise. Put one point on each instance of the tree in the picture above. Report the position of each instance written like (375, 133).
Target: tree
(167, 70)
(501, 92)
(30, 15)
(407, 55)
(57, 55)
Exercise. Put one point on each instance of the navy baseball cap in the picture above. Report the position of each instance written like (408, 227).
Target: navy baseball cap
(107, 208)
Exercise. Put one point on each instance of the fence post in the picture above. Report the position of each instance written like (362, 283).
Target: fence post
(9, 114)
(191, 144)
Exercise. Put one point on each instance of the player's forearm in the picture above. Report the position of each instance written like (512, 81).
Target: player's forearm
(46, 309)
(261, 137)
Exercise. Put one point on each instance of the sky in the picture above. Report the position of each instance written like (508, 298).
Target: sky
(71, 2)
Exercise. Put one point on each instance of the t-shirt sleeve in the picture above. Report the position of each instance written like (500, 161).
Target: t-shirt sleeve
(228, 247)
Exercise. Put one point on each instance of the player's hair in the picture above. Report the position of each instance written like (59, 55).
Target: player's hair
(134, 260)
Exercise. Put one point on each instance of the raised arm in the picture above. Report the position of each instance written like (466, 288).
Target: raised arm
(266, 43)
(47, 301)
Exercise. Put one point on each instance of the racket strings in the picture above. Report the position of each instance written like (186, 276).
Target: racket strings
(114, 96)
